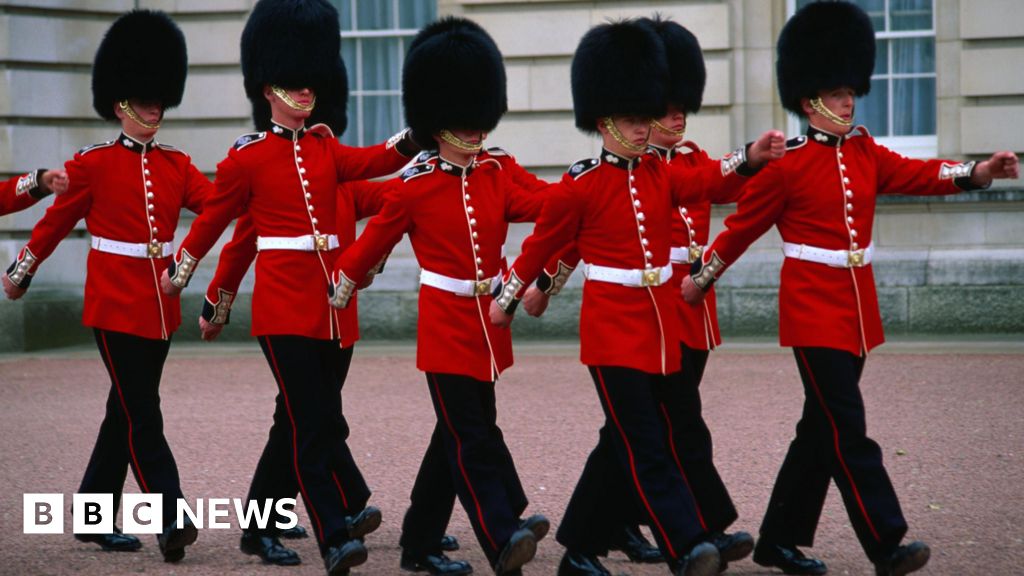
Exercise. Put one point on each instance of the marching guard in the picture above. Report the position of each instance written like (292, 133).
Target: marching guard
(287, 178)
(821, 197)
(617, 210)
(456, 206)
(23, 191)
(130, 192)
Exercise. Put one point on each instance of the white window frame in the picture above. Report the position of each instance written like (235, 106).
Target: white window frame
(356, 92)
(922, 146)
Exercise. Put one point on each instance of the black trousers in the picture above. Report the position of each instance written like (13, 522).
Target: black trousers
(689, 441)
(132, 432)
(467, 457)
(631, 458)
(832, 444)
(306, 449)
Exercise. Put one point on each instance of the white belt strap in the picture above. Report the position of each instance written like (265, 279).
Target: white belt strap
(133, 249)
(468, 288)
(307, 243)
(684, 255)
(628, 277)
(834, 258)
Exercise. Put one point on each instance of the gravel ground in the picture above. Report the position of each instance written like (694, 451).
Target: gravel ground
(949, 417)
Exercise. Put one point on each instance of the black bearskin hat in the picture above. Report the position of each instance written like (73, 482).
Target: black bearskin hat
(825, 45)
(453, 78)
(141, 56)
(332, 104)
(687, 74)
(292, 44)
(619, 68)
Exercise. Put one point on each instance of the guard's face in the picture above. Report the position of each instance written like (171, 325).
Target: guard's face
(636, 130)
(840, 101)
(295, 112)
(674, 120)
(149, 111)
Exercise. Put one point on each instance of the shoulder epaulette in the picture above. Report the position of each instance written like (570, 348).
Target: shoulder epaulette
(498, 151)
(321, 130)
(91, 147)
(424, 156)
(794, 143)
(170, 148)
(247, 139)
(416, 170)
(583, 166)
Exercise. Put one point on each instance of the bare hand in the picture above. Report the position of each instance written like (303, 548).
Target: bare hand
(1001, 165)
(56, 181)
(770, 146)
(166, 286)
(499, 317)
(691, 293)
(208, 330)
(535, 302)
(11, 290)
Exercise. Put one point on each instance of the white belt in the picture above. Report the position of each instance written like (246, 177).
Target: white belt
(684, 255)
(628, 277)
(307, 243)
(834, 258)
(458, 287)
(133, 249)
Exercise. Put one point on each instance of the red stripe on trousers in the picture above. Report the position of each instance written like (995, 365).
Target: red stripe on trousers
(458, 451)
(675, 456)
(127, 416)
(341, 491)
(632, 465)
(835, 439)
(295, 433)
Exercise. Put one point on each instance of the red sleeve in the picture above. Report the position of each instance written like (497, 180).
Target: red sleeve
(197, 189)
(523, 204)
(224, 204)
(367, 196)
(10, 200)
(703, 181)
(66, 211)
(381, 234)
(756, 212)
(235, 259)
(900, 175)
(354, 163)
(556, 228)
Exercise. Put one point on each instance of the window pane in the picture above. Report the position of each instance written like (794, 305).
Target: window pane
(381, 118)
(351, 135)
(415, 14)
(914, 107)
(911, 14)
(345, 11)
(374, 14)
(911, 55)
(348, 54)
(873, 110)
(876, 11)
(881, 57)
(380, 64)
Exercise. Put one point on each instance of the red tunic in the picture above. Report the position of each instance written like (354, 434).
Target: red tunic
(356, 200)
(457, 220)
(691, 226)
(127, 192)
(20, 192)
(288, 181)
(822, 194)
(618, 214)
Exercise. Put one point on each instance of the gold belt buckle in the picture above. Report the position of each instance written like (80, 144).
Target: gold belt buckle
(652, 277)
(482, 287)
(154, 250)
(696, 252)
(320, 242)
(855, 258)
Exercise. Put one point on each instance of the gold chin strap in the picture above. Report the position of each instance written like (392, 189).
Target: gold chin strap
(283, 95)
(459, 143)
(131, 113)
(668, 131)
(614, 131)
(820, 108)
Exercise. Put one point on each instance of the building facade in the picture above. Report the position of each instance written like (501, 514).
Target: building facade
(947, 83)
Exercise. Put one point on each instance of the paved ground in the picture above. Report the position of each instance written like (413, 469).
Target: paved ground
(949, 416)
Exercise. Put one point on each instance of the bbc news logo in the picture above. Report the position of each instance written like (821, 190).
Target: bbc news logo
(143, 513)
